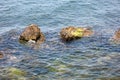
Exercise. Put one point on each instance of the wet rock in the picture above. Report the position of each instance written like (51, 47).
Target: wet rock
(1, 55)
(71, 33)
(116, 36)
(32, 33)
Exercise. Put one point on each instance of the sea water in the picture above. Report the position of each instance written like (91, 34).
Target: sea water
(93, 58)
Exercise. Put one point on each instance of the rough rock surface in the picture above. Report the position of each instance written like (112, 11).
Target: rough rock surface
(71, 33)
(32, 32)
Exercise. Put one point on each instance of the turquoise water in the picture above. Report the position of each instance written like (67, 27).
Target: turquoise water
(93, 58)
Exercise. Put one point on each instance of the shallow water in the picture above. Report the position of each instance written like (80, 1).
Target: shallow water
(93, 58)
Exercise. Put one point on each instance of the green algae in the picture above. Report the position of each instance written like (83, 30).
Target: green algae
(58, 66)
(16, 71)
(52, 69)
(78, 32)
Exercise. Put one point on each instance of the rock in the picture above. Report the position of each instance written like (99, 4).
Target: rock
(116, 36)
(15, 71)
(1, 55)
(71, 33)
(32, 32)
(12, 73)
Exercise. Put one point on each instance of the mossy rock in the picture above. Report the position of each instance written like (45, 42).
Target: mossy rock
(71, 33)
(16, 72)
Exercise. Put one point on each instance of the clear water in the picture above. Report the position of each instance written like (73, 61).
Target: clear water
(94, 58)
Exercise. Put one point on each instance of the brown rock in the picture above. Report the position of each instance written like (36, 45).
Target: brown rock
(32, 32)
(87, 32)
(71, 33)
(1, 55)
(116, 36)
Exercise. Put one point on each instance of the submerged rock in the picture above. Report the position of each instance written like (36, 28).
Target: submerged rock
(12, 73)
(71, 33)
(32, 33)
(15, 71)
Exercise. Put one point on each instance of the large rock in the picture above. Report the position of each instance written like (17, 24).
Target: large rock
(116, 36)
(32, 33)
(71, 33)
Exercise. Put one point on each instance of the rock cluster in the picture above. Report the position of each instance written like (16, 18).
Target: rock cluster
(33, 34)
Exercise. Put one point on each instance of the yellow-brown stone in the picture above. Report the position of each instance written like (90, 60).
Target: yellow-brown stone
(32, 32)
(71, 33)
